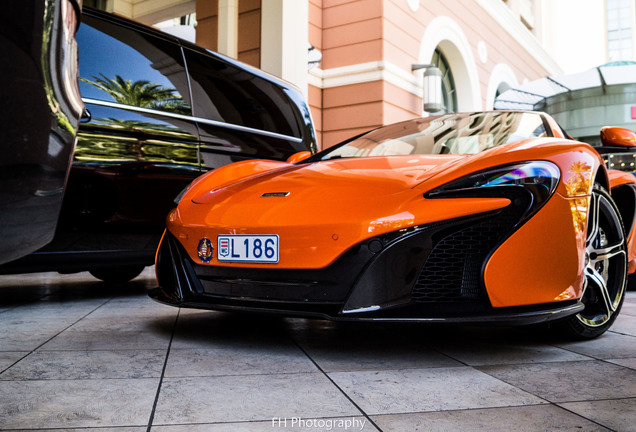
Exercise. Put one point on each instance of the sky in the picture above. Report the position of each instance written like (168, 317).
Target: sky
(577, 29)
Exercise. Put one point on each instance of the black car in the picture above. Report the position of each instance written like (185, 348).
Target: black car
(40, 113)
(159, 112)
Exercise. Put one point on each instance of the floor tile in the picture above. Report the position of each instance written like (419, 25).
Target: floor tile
(68, 311)
(140, 305)
(629, 305)
(42, 279)
(569, 381)
(343, 347)
(480, 353)
(627, 362)
(249, 398)
(56, 365)
(209, 329)
(434, 389)
(29, 334)
(242, 360)
(618, 415)
(519, 419)
(363, 355)
(7, 358)
(624, 324)
(132, 319)
(609, 345)
(91, 429)
(105, 340)
(76, 403)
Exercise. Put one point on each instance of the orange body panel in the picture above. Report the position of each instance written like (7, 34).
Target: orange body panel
(619, 178)
(541, 263)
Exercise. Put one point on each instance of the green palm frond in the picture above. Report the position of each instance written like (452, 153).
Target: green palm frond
(141, 93)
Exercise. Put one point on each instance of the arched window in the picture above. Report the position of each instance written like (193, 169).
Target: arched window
(445, 35)
(449, 92)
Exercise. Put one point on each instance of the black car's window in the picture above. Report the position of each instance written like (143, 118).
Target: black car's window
(120, 65)
(226, 93)
(446, 134)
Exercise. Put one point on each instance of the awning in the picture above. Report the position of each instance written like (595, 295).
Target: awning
(531, 95)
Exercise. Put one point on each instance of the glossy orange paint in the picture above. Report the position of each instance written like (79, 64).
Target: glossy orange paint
(231, 173)
(398, 173)
(619, 178)
(542, 262)
(616, 136)
(298, 157)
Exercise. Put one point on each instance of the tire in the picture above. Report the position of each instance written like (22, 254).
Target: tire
(117, 275)
(605, 270)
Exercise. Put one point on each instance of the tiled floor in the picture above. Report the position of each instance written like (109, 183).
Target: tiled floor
(78, 355)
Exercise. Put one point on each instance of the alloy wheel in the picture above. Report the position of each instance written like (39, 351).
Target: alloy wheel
(605, 270)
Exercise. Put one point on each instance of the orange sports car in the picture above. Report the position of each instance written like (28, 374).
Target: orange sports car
(471, 217)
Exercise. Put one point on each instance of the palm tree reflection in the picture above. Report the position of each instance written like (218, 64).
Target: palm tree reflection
(141, 93)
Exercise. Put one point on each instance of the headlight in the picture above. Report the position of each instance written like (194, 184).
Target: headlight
(538, 178)
(538, 175)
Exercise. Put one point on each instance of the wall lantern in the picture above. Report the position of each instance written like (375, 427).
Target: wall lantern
(314, 57)
(432, 100)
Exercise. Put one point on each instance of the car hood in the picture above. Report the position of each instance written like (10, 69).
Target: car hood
(379, 176)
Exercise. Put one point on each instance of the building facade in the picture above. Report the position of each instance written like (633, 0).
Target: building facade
(621, 30)
(367, 48)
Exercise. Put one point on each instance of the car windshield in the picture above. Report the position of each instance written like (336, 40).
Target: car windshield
(447, 134)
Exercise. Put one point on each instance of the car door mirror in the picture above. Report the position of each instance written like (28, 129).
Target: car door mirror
(618, 137)
(297, 157)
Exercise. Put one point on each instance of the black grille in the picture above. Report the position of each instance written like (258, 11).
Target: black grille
(453, 270)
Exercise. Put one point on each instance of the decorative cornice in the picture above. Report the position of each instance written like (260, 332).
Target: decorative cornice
(366, 72)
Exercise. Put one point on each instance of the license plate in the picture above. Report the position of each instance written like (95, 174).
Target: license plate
(247, 248)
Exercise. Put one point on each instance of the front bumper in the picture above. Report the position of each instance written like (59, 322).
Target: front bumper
(431, 273)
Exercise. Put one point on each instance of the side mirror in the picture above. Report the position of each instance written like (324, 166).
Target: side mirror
(619, 137)
(300, 156)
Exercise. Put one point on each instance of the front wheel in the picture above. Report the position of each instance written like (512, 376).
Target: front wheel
(605, 270)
